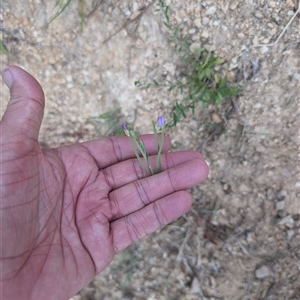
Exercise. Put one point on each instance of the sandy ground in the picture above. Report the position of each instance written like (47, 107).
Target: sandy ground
(241, 239)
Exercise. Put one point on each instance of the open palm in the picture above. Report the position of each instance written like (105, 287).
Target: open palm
(66, 212)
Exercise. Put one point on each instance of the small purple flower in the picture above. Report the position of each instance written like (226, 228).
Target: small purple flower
(161, 121)
(126, 131)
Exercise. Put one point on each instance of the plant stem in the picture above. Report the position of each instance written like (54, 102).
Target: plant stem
(138, 156)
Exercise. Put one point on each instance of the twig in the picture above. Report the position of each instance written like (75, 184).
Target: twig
(283, 31)
(288, 24)
(181, 249)
(135, 18)
(96, 6)
(243, 248)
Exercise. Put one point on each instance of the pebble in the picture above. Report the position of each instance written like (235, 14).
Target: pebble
(270, 194)
(234, 5)
(197, 22)
(205, 21)
(264, 49)
(211, 10)
(281, 213)
(288, 221)
(281, 194)
(280, 205)
(255, 40)
(195, 287)
(216, 118)
(249, 237)
(233, 66)
(272, 4)
(290, 233)
(205, 35)
(258, 15)
(195, 46)
(262, 272)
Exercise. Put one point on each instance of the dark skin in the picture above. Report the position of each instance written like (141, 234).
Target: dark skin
(66, 212)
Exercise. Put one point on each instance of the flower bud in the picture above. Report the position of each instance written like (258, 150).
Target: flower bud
(161, 121)
(126, 131)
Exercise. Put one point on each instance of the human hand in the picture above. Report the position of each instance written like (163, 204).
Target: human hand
(66, 212)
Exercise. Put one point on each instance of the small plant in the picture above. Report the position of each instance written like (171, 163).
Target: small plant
(61, 5)
(140, 150)
(199, 82)
(110, 122)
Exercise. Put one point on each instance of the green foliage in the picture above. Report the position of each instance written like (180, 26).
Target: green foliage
(3, 48)
(110, 122)
(61, 5)
(200, 82)
(140, 150)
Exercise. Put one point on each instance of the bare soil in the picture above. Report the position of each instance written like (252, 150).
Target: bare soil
(241, 239)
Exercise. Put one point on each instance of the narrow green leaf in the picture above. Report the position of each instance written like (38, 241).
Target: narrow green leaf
(3, 48)
(61, 10)
(218, 61)
(167, 25)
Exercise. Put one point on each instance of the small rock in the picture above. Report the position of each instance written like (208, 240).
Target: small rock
(210, 48)
(281, 213)
(280, 205)
(139, 42)
(69, 78)
(281, 194)
(258, 15)
(233, 66)
(205, 21)
(272, 4)
(226, 188)
(234, 5)
(255, 40)
(249, 237)
(195, 46)
(262, 272)
(197, 22)
(211, 10)
(265, 41)
(216, 118)
(205, 34)
(195, 287)
(270, 194)
(241, 35)
(135, 14)
(170, 68)
(288, 221)
(290, 233)
(264, 49)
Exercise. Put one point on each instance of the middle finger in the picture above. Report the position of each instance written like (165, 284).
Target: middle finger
(138, 194)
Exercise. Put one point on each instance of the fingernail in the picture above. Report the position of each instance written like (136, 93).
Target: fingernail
(7, 77)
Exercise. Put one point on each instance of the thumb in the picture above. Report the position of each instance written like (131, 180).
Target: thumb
(23, 116)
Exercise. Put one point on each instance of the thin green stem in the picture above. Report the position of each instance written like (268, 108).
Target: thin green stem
(144, 154)
(138, 156)
(155, 135)
(158, 160)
